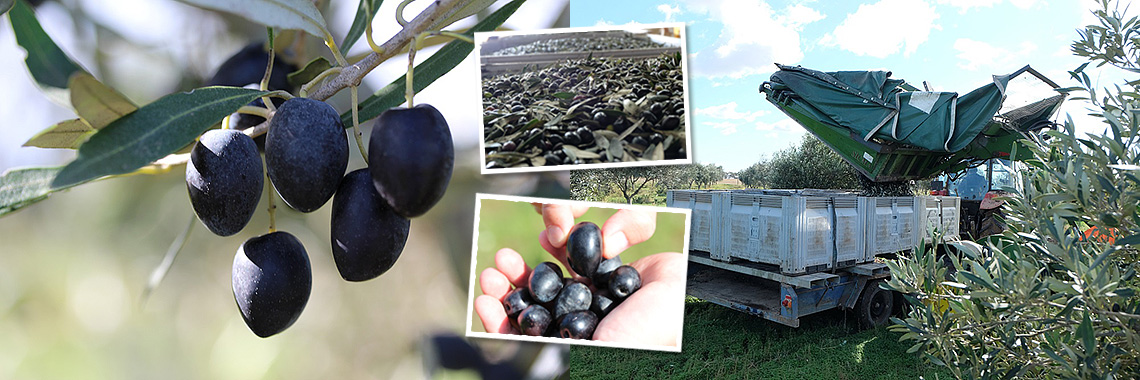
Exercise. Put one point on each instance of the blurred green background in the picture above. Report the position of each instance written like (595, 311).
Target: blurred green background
(516, 225)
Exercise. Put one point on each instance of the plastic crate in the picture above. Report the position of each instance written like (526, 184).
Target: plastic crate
(703, 215)
(942, 215)
(798, 231)
(891, 224)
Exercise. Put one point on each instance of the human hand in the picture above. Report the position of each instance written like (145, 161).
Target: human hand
(652, 315)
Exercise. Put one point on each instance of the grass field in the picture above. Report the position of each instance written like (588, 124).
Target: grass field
(720, 343)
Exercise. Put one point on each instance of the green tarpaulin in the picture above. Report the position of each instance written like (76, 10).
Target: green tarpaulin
(872, 104)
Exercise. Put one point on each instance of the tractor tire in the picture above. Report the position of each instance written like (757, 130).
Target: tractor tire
(875, 305)
(990, 223)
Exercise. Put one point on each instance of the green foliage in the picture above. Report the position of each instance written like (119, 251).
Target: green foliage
(640, 184)
(1055, 296)
(811, 165)
(724, 343)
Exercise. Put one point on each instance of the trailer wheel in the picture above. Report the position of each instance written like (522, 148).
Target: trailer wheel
(875, 305)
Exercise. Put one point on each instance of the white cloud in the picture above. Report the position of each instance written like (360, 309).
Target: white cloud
(729, 111)
(884, 28)
(1023, 4)
(669, 11)
(782, 125)
(965, 5)
(725, 127)
(754, 35)
(977, 54)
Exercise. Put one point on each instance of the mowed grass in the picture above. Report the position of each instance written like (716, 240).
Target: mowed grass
(720, 343)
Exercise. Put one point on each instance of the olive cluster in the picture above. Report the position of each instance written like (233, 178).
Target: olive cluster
(572, 44)
(306, 156)
(592, 110)
(551, 305)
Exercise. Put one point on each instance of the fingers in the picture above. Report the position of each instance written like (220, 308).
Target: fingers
(626, 228)
(558, 253)
(492, 314)
(558, 220)
(512, 267)
(494, 283)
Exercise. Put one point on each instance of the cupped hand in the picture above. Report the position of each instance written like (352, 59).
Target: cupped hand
(651, 316)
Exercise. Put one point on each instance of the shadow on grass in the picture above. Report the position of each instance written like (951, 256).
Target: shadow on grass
(722, 343)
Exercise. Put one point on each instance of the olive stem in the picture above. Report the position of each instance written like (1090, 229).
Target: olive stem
(272, 205)
(368, 29)
(250, 110)
(264, 85)
(409, 88)
(400, 12)
(324, 74)
(356, 125)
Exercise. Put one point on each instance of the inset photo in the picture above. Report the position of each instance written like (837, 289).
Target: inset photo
(569, 272)
(580, 98)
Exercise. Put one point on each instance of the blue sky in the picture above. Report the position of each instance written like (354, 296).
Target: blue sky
(956, 45)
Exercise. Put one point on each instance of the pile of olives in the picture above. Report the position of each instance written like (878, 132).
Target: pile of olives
(306, 156)
(572, 44)
(593, 110)
(554, 306)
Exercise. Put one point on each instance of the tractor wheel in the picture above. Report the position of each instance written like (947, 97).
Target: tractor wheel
(875, 305)
(990, 223)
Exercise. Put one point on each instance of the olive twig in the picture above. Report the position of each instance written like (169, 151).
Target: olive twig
(356, 125)
(353, 74)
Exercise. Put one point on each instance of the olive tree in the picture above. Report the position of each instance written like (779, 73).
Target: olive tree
(811, 164)
(1055, 295)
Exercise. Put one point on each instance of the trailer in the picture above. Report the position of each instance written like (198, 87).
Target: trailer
(785, 254)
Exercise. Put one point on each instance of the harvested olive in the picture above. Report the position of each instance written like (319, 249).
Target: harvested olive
(575, 296)
(578, 325)
(601, 277)
(545, 282)
(624, 281)
(584, 248)
(516, 301)
(601, 305)
(534, 320)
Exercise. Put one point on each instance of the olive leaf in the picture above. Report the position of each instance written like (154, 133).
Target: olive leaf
(97, 106)
(50, 67)
(431, 69)
(67, 134)
(95, 102)
(278, 14)
(152, 132)
(359, 23)
(22, 187)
